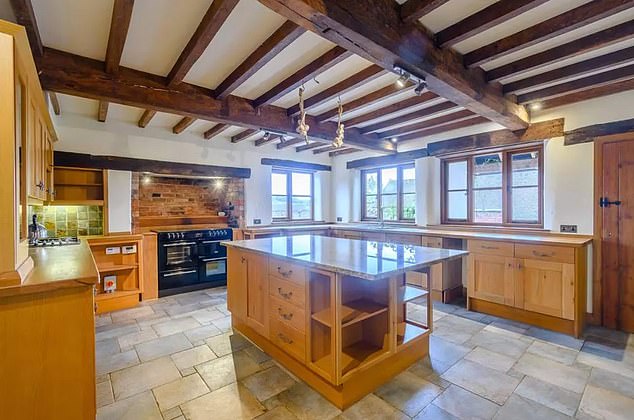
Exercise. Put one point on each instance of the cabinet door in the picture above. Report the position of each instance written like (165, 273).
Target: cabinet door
(490, 278)
(237, 283)
(258, 293)
(546, 287)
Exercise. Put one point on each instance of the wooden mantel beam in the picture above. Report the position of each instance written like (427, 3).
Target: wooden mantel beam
(373, 29)
(74, 75)
(591, 132)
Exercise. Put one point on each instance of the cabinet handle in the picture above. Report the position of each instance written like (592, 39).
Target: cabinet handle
(284, 273)
(243, 260)
(40, 185)
(286, 295)
(543, 254)
(287, 317)
(284, 338)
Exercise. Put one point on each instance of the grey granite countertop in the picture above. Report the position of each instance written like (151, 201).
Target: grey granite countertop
(369, 260)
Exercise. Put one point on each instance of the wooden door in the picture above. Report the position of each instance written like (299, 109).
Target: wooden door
(237, 283)
(617, 234)
(546, 287)
(258, 293)
(490, 278)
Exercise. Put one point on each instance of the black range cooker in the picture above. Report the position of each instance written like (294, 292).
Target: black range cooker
(192, 260)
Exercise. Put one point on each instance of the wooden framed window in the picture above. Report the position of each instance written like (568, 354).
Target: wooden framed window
(292, 195)
(494, 188)
(392, 189)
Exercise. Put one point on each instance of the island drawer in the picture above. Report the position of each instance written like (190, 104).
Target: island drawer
(287, 270)
(545, 253)
(284, 312)
(288, 339)
(503, 249)
(432, 241)
(287, 291)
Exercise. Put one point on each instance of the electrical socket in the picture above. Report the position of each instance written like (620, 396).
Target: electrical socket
(568, 228)
(340, 219)
(257, 221)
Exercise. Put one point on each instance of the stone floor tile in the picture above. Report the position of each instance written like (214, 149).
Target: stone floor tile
(102, 378)
(200, 334)
(225, 370)
(179, 391)
(500, 342)
(605, 404)
(433, 412)
(604, 348)
(104, 394)
(278, 413)
(172, 413)
(107, 347)
(618, 367)
(222, 308)
(232, 402)
(102, 320)
(192, 298)
(175, 326)
(115, 330)
(148, 321)
(132, 313)
(555, 338)
(465, 405)
(141, 406)
(258, 355)
(130, 340)
(549, 395)
(192, 357)
(176, 310)
(612, 381)
(615, 336)
(481, 380)
(512, 326)
(307, 404)
(372, 407)
(162, 346)
(446, 351)
(223, 324)
(554, 352)
(114, 362)
(571, 378)
(227, 343)
(205, 316)
(491, 359)
(455, 329)
(136, 379)
(518, 408)
(409, 393)
(268, 383)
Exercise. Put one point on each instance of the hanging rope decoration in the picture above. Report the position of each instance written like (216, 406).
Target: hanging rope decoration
(302, 127)
(338, 140)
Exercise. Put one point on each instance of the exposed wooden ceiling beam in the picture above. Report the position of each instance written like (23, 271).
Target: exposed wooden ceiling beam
(358, 79)
(370, 99)
(558, 25)
(373, 29)
(84, 77)
(394, 159)
(52, 96)
(281, 38)
(324, 62)
(288, 143)
(454, 125)
(215, 130)
(148, 114)
(209, 26)
(119, 25)
(24, 14)
(243, 135)
(486, 18)
(102, 112)
(605, 78)
(455, 116)
(309, 146)
(537, 131)
(412, 10)
(344, 151)
(295, 164)
(584, 95)
(183, 124)
(390, 109)
(402, 119)
(324, 149)
(573, 70)
(590, 133)
(266, 140)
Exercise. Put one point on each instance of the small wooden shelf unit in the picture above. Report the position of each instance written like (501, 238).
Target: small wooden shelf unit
(79, 186)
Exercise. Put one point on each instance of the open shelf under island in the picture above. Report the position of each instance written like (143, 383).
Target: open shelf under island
(333, 311)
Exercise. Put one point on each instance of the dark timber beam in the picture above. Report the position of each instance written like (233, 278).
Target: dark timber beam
(343, 151)
(84, 77)
(584, 95)
(215, 130)
(395, 159)
(443, 128)
(412, 10)
(591, 132)
(102, 112)
(24, 14)
(209, 26)
(183, 124)
(119, 25)
(421, 113)
(81, 160)
(283, 144)
(324, 150)
(390, 109)
(324, 62)
(266, 140)
(558, 25)
(52, 96)
(295, 164)
(535, 132)
(243, 135)
(373, 29)
(148, 114)
(486, 18)
(433, 122)
(309, 146)
(274, 44)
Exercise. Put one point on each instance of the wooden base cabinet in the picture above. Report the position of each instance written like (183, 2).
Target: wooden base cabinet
(545, 289)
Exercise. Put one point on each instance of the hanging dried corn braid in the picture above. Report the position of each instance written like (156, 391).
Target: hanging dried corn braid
(302, 127)
(338, 141)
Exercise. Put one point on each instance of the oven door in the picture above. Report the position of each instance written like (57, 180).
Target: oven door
(211, 249)
(177, 281)
(177, 255)
(213, 270)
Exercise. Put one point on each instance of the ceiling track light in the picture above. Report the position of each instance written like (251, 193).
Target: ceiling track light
(405, 76)
(267, 135)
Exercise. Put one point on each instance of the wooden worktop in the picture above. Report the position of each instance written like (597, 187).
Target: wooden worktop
(57, 268)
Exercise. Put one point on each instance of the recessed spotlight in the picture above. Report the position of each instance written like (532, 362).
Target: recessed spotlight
(219, 183)
(402, 80)
(393, 139)
(146, 179)
(536, 106)
(267, 135)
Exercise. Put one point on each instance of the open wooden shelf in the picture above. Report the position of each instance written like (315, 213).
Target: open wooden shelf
(408, 331)
(408, 293)
(351, 312)
(111, 268)
(116, 294)
(324, 363)
(359, 353)
(79, 202)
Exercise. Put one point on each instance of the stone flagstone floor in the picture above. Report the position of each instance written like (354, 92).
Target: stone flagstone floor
(177, 358)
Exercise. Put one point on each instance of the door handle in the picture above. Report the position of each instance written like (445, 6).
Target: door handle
(605, 202)
(179, 244)
(286, 295)
(178, 273)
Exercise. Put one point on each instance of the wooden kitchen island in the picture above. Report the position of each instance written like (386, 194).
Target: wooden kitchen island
(333, 311)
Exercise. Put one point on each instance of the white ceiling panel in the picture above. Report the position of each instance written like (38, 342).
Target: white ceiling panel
(409, 110)
(124, 113)
(452, 12)
(76, 105)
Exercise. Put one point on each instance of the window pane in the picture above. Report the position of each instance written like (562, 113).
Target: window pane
(457, 175)
(300, 183)
(388, 205)
(371, 183)
(388, 180)
(409, 180)
(457, 205)
(370, 206)
(525, 169)
(525, 204)
(487, 206)
(279, 207)
(278, 182)
(301, 207)
(487, 171)
(409, 206)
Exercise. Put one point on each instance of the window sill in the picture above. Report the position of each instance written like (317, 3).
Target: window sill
(494, 228)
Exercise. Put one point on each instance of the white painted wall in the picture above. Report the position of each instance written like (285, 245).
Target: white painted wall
(119, 201)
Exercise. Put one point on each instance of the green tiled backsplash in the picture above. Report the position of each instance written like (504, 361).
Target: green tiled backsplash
(69, 220)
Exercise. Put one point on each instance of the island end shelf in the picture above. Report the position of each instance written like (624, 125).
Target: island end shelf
(332, 311)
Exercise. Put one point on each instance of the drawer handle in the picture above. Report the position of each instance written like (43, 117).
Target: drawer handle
(286, 295)
(284, 338)
(287, 317)
(489, 247)
(243, 260)
(543, 254)
(284, 273)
